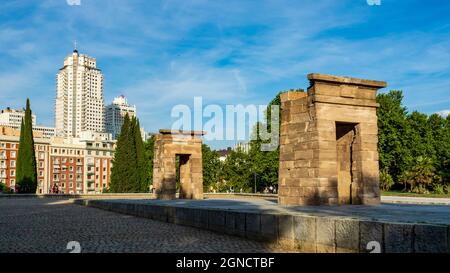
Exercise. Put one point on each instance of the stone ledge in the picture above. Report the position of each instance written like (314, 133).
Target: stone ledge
(346, 80)
(303, 233)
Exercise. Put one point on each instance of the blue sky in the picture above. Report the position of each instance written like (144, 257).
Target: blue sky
(163, 53)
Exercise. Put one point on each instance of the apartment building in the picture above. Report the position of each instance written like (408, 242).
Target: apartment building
(12, 118)
(72, 165)
(115, 115)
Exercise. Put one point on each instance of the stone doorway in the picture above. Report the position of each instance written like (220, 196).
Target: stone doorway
(187, 147)
(345, 141)
(184, 172)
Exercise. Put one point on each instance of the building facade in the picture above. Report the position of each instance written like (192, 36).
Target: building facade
(14, 117)
(115, 114)
(70, 165)
(79, 102)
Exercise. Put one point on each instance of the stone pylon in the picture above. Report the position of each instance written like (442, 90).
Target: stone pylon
(328, 143)
(187, 145)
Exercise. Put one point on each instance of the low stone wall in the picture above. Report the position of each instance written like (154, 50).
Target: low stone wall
(72, 196)
(300, 232)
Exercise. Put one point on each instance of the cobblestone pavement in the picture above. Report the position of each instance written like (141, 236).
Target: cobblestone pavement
(47, 225)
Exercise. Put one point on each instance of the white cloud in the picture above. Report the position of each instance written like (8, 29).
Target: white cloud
(161, 53)
(444, 113)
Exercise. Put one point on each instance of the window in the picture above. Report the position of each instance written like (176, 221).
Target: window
(13, 173)
(13, 163)
(13, 154)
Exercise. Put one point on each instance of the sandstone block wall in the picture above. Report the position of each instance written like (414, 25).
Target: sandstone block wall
(328, 143)
(188, 146)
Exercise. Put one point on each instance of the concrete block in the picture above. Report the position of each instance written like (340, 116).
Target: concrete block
(269, 227)
(398, 238)
(240, 222)
(139, 210)
(216, 220)
(230, 222)
(326, 235)
(180, 216)
(187, 216)
(170, 212)
(148, 211)
(159, 214)
(370, 231)
(347, 236)
(448, 240)
(201, 218)
(305, 233)
(430, 239)
(253, 225)
(286, 230)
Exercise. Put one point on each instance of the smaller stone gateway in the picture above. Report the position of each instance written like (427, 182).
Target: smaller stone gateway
(187, 145)
(328, 143)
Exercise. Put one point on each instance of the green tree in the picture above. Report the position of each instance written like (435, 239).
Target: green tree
(212, 167)
(120, 170)
(142, 163)
(149, 146)
(237, 171)
(421, 176)
(26, 172)
(129, 173)
(394, 155)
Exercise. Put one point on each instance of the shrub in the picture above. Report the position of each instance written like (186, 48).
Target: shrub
(386, 180)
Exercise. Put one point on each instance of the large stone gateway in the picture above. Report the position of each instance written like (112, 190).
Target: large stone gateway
(187, 146)
(328, 143)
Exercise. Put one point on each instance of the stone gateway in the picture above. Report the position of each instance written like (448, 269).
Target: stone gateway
(187, 146)
(328, 143)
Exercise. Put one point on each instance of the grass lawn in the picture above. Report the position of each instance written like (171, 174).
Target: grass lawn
(408, 194)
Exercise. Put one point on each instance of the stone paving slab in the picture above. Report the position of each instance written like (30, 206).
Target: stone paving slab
(324, 229)
(46, 225)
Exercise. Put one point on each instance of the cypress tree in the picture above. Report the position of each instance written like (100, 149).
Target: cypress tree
(130, 166)
(26, 172)
(142, 162)
(119, 168)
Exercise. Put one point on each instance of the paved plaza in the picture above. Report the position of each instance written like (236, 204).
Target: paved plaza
(48, 224)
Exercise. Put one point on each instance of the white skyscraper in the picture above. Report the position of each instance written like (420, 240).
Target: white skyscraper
(79, 97)
(115, 114)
